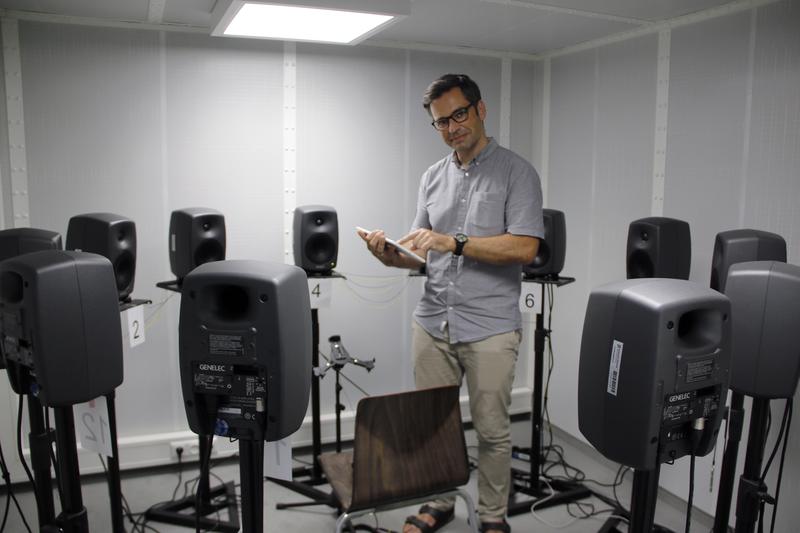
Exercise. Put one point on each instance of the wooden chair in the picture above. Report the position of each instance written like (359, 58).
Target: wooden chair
(408, 448)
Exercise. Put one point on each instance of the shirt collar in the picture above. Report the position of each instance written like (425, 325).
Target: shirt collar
(482, 155)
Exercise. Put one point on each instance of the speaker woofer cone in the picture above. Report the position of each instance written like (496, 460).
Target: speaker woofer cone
(320, 248)
(208, 251)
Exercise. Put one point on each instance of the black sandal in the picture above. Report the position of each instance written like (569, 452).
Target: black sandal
(442, 518)
(503, 526)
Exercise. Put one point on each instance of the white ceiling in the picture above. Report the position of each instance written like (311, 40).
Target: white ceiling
(519, 27)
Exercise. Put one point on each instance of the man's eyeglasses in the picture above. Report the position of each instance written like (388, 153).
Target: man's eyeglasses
(458, 116)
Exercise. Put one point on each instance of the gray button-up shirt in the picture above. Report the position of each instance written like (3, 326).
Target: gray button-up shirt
(498, 193)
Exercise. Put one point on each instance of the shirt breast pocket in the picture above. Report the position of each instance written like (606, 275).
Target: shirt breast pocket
(487, 214)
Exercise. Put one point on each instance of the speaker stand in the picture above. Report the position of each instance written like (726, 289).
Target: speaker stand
(40, 441)
(527, 482)
(73, 517)
(729, 460)
(752, 490)
(313, 475)
(251, 472)
(185, 511)
(641, 517)
(212, 500)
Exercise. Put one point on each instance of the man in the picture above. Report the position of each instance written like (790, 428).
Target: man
(478, 220)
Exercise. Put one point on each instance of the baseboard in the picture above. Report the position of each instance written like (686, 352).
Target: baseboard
(157, 449)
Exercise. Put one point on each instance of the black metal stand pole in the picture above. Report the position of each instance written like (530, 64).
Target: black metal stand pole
(73, 517)
(729, 460)
(751, 488)
(564, 491)
(251, 473)
(114, 480)
(643, 500)
(339, 408)
(314, 473)
(40, 441)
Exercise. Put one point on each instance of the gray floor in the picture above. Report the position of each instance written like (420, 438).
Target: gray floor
(145, 488)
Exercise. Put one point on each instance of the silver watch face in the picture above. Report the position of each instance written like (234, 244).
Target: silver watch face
(460, 237)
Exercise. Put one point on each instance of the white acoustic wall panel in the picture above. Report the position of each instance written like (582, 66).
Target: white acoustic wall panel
(94, 143)
(773, 184)
(224, 136)
(602, 116)
(523, 99)
(773, 179)
(351, 105)
(570, 189)
(705, 141)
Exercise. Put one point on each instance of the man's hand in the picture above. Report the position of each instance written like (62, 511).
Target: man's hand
(376, 244)
(423, 240)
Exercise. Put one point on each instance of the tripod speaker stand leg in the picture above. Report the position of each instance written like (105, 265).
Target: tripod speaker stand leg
(183, 512)
(314, 472)
(529, 483)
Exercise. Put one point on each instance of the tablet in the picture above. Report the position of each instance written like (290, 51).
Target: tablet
(400, 248)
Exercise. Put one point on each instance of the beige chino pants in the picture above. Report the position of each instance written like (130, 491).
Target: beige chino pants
(488, 365)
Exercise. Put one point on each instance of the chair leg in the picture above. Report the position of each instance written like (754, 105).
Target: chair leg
(342, 521)
(472, 516)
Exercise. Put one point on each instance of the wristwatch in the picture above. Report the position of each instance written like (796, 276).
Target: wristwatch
(461, 240)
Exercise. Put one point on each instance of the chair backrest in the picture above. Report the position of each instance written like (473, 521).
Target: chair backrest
(408, 445)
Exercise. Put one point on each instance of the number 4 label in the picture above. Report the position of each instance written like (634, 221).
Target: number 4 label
(91, 425)
(319, 292)
(136, 325)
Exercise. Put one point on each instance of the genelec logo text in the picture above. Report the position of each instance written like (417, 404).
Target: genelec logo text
(679, 397)
(212, 368)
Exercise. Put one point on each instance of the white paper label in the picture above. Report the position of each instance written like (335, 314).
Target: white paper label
(613, 367)
(319, 292)
(136, 325)
(91, 426)
(278, 459)
(527, 302)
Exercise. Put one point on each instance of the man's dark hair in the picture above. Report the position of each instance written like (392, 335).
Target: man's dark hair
(450, 81)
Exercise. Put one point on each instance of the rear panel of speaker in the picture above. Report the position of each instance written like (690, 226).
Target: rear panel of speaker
(655, 355)
(60, 323)
(245, 349)
(741, 245)
(765, 300)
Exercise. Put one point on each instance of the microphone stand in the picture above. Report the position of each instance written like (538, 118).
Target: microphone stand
(339, 358)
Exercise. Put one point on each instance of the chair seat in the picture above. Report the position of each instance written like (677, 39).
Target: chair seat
(338, 468)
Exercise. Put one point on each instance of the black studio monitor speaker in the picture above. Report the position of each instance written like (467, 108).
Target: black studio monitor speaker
(60, 326)
(658, 247)
(741, 245)
(316, 238)
(245, 349)
(19, 241)
(112, 236)
(765, 304)
(550, 257)
(655, 357)
(196, 237)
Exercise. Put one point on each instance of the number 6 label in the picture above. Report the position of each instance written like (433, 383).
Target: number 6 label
(319, 292)
(526, 302)
(136, 325)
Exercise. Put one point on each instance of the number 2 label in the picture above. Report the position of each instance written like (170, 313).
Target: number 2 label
(136, 326)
